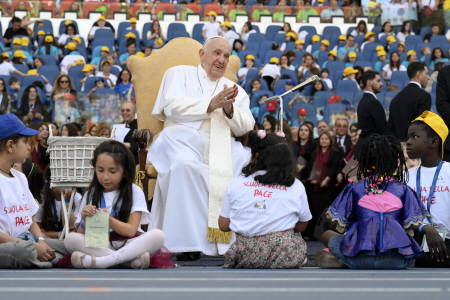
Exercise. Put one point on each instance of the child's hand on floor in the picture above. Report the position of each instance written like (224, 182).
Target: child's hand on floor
(436, 244)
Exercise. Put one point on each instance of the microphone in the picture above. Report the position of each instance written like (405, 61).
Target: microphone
(310, 80)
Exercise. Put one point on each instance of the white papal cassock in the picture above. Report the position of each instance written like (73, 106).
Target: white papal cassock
(181, 154)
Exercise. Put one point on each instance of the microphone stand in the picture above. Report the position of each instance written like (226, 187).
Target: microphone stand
(281, 110)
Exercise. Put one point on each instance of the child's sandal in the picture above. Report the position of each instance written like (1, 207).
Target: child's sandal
(144, 261)
(77, 259)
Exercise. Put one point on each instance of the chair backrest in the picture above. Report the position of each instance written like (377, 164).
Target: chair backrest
(329, 31)
(271, 31)
(310, 29)
(290, 73)
(323, 57)
(89, 84)
(399, 77)
(122, 26)
(174, 27)
(124, 32)
(263, 111)
(243, 53)
(105, 34)
(49, 60)
(257, 95)
(270, 54)
(263, 48)
(364, 64)
(438, 41)
(424, 30)
(279, 38)
(411, 41)
(335, 65)
(26, 81)
(49, 72)
(369, 50)
(197, 33)
(46, 29)
(345, 86)
(321, 98)
(386, 100)
(178, 34)
(102, 42)
(21, 68)
(76, 74)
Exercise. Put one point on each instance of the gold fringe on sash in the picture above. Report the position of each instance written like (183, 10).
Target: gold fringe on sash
(140, 175)
(215, 235)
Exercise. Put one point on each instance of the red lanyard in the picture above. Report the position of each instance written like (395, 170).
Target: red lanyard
(68, 121)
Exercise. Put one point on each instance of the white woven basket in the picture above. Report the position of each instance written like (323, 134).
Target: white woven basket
(70, 158)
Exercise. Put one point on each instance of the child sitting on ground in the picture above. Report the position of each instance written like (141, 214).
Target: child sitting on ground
(426, 136)
(21, 243)
(379, 213)
(112, 191)
(266, 207)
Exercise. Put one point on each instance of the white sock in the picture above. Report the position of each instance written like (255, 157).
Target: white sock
(150, 241)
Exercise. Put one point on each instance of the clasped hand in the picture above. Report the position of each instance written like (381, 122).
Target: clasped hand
(224, 99)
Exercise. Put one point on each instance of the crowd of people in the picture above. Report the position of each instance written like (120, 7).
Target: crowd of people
(350, 164)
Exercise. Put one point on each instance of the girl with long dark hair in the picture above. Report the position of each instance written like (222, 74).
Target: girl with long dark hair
(113, 191)
(393, 65)
(266, 207)
(379, 213)
(124, 87)
(31, 109)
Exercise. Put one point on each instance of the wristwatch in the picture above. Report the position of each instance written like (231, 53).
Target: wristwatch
(230, 115)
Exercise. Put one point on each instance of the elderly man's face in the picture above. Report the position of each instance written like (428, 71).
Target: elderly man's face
(322, 126)
(215, 57)
(127, 112)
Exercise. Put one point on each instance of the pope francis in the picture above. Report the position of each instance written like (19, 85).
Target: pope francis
(196, 155)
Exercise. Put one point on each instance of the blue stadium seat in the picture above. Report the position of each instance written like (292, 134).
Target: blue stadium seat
(147, 27)
(290, 73)
(359, 40)
(47, 24)
(26, 81)
(89, 84)
(174, 27)
(411, 41)
(308, 39)
(122, 26)
(335, 65)
(357, 98)
(290, 46)
(62, 27)
(100, 42)
(270, 54)
(178, 34)
(105, 34)
(49, 60)
(420, 46)
(271, 31)
(364, 64)
(345, 86)
(321, 98)
(49, 72)
(22, 68)
(350, 30)
(280, 84)
(424, 30)
(279, 38)
(399, 77)
(263, 111)
(257, 95)
(105, 91)
(323, 57)
(433, 89)
(433, 99)
(6, 79)
(263, 48)
(124, 32)
(369, 50)
(46, 29)
(393, 48)
(310, 110)
(243, 53)
(438, 41)
(329, 31)
(298, 61)
(76, 74)
(256, 39)
(387, 100)
(446, 49)
(376, 30)
(310, 29)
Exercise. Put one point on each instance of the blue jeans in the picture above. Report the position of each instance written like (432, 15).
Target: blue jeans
(387, 260)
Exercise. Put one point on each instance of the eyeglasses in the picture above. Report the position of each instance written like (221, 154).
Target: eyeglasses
(64, 81)
(1, 83)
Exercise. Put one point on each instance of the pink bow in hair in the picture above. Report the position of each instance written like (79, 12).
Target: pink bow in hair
(261, 134)
(279, 133)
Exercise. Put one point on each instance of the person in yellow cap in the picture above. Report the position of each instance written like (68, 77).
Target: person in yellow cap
(40, 34)
(280, 12)
(17, 45)
(133, 26)
(426, 137)
(249, 63)
(49, 48)
(350, 46)
(260, 10)
(332, 56)
(212, 28)
(401, 112)
(411, 57)
(71, 32)
(158, 43)
(5, 56)
(88, 71)
(32, 73)
(393, 66)
(389, 41)
(95, 62)
(239, 9)
(299, 45)
(351, 59)
(271, 73)
(130, 35)
(314, 39)
(100, 24)
(70, 59)
(323, 47)
(228, 33)
(289, 37)
(368, 38)
(184, 11)
(19, 57)
(382, 58)
(110, 78)
(131, 50)
(76, 40)
(350, 74)
(306, 11)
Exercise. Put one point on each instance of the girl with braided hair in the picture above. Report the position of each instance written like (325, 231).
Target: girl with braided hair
(379, 213)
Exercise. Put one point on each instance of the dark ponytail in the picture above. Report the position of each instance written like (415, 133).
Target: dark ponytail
(272, 154)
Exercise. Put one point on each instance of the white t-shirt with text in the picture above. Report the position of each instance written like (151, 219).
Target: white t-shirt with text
(440, 204)
(257, 209)
(17, 204)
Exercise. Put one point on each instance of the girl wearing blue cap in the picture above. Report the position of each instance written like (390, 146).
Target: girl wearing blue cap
(21, 243)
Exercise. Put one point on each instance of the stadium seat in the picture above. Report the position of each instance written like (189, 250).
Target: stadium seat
(369, 50)
(279, 38)
(363, 64)
(310, 29)
(100, 42)
(344, 86)
(22, 68)
(6, 79)
(335, 65)
(46, 29)
(411, 41)
(178, 34)
(438, 41)
(310, 110)
(256, 39)
(387, 100)
(89, 84)
(49, 72)
(357, 98)
(329, 31)
(174, 27)
(321, 98)
(76, 74)
(271, 31)
(146, 29)
(323, 57)
(399, 77)
(290, 73)
(27, 81)
(270, 54)
(433, 99)
(122, 26)
(419, 46)
(263, 48)
(424, 30)
(257, 95)
(393, 48)
(49, 60)
(433, 89)
(280, 84)
(124, 32)
(104, 34)
(243, 53)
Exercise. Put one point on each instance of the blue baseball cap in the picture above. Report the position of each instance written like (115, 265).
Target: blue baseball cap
(10, 124)
(291, 82)
(99, 79)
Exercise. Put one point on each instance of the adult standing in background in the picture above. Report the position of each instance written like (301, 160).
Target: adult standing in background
(410, 103)
(128, 112)
(343, 139)
(371, 115)
(443, 103)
